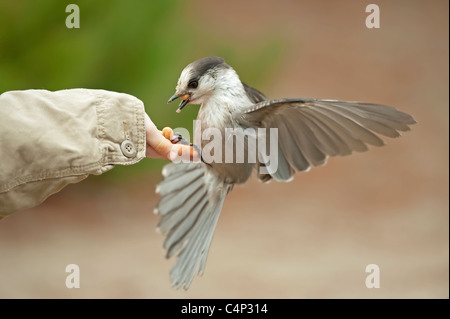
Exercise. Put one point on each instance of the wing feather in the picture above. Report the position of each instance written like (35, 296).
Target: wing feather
(311, 130)
(305, 139)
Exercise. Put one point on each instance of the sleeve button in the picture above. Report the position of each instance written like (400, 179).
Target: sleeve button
(128, 148)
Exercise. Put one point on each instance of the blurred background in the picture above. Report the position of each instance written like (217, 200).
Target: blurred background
(311, 238)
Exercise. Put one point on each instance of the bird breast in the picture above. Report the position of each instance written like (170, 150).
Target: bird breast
(214, 118)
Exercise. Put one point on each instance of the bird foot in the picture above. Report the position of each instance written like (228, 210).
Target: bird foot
(178, 138)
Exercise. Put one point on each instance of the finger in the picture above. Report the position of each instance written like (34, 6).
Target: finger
(151, 153)
(185, 153)
(160, 144)
(167, 132)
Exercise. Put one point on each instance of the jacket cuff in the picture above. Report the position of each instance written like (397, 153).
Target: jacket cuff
(121, 129)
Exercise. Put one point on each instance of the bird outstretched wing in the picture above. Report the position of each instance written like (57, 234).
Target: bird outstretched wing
(311, 130)
(192, 198)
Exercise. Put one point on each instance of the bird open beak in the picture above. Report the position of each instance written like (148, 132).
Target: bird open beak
(186, 97)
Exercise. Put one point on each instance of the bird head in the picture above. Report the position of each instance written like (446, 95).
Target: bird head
(199, 80)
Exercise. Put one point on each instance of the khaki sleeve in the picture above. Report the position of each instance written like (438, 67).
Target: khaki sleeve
(51, 139)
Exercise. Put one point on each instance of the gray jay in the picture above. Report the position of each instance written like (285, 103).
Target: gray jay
(309, 131)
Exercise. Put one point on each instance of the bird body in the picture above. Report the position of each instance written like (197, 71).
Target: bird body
(307, 132)
(219, 110)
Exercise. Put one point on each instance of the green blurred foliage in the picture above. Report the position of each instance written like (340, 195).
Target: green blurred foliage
(135, 47)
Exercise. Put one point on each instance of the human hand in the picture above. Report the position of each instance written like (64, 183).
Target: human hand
(159, 144)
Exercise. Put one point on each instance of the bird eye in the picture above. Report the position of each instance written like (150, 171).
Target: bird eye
(193, 84)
